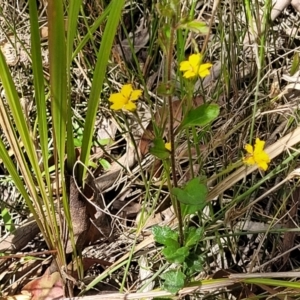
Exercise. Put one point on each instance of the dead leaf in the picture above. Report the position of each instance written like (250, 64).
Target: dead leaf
(296, 5)
(79, 215)
(294, 78)
(138, 39)
(47, 287)
(17, 297)
(100, 223)
(129, 210)
(278, 7)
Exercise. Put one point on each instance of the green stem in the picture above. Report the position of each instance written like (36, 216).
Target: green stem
(177, 206)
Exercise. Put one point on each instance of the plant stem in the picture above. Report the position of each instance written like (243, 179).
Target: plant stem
(176, 203)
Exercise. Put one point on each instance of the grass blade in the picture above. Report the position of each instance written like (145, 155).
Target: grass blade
(39, 87)
(71, 31)
(58, 80)
(98, 79)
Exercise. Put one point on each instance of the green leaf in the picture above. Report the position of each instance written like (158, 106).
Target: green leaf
(60, 109)
(104, 142)
(198, 264)
(187, 209)
(201, 115)
(194, 193)
(174, 281)
(295, 64)
(172, 244)
(163, 233)
(77, 142)
(159, 150)
(105, 164)
(193, 236)
(192, 197)
(195, 26)
(7, 220)
(176, 255)
(31, 258)
(193, 263)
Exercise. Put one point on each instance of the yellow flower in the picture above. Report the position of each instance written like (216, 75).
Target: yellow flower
(257, 155)
(168, 146)
(194, 67)
(125, 99)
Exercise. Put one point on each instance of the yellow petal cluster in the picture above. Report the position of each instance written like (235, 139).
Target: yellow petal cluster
(125, 99)
(193, 67)
(168, 146)
(257, 155)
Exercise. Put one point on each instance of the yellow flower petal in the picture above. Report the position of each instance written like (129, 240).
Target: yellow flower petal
(257, 155)
(130, 106)
(259, 145)
(124, 99)
(126, 90)
(168, 146)
(189, 74)
(249, 160)
(118, 97)
(117, 106)
(184, 66)
(263, 165)
(204, 70)
(135, 95)
(193, 67)
(249, 148)
(263, 156)
(195, 60)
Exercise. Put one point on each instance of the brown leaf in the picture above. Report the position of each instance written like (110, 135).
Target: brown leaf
(129, 210)
(79, 215)
(141, 38)
(47, 287)
(100, 225)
